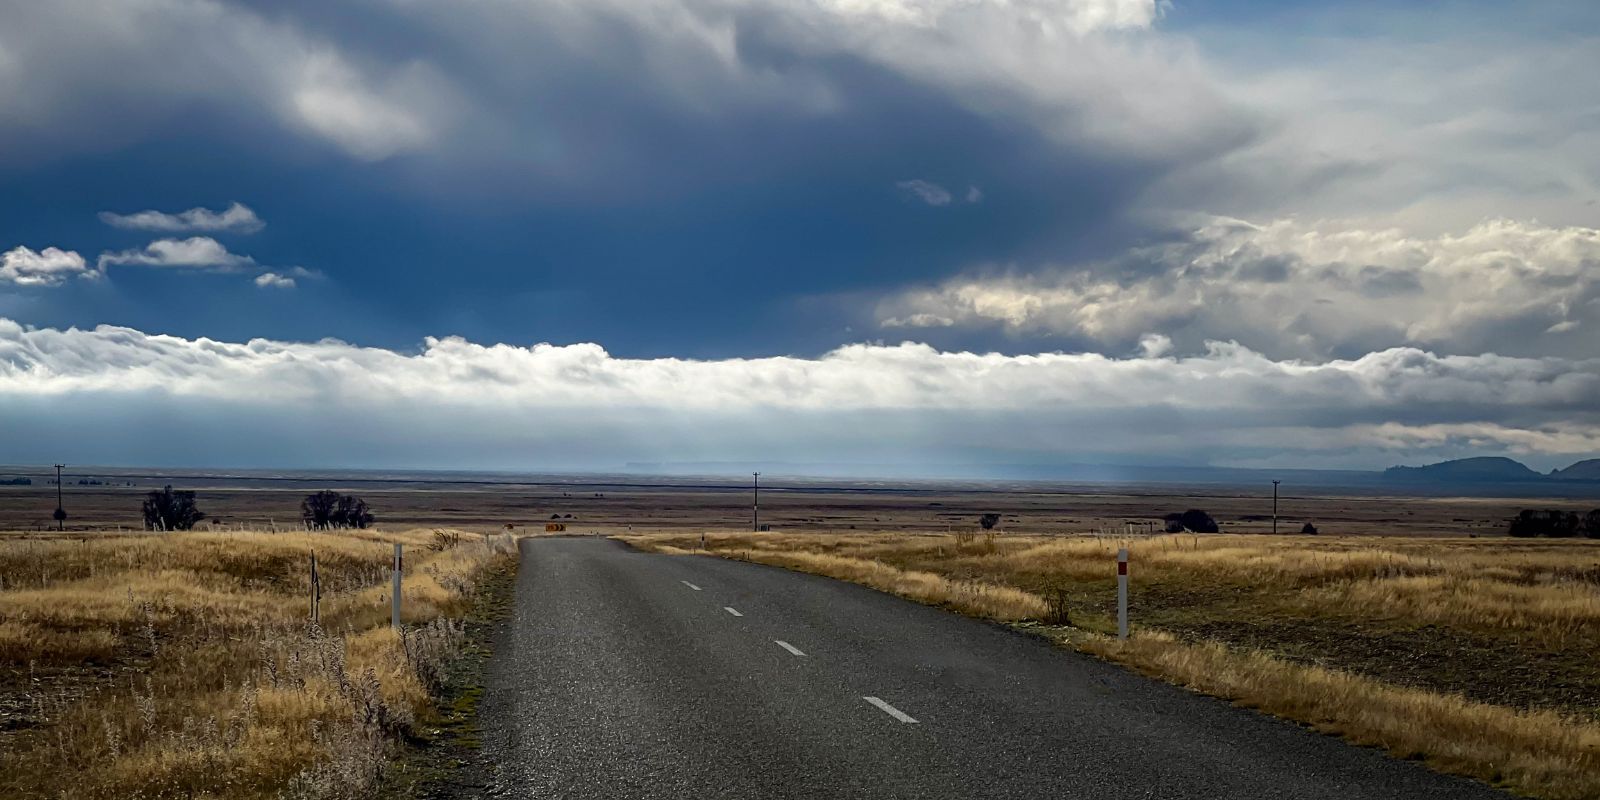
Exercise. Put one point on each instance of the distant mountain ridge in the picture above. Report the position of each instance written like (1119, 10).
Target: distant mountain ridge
(1581, 471)
(1491, 469)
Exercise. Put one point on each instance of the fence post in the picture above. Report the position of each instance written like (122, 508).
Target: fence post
(1122, 593)
(316, 591)
(399, 564)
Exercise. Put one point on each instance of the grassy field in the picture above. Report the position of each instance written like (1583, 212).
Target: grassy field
(1479, 656)
(185, 665)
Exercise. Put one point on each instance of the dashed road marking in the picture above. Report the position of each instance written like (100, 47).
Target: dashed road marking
(890, 710)
(732, 610)
(690, 585)
(791, 648)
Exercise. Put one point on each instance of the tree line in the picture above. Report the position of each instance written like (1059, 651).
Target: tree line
(167, 509)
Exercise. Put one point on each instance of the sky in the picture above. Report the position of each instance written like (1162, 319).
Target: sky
(577, 234)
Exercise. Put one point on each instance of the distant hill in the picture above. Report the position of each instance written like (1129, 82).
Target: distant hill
(1581, 471)
(1483, 468)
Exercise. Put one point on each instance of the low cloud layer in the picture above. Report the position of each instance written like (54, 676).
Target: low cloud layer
(577, 406)
(236, 218)
(1294, 289)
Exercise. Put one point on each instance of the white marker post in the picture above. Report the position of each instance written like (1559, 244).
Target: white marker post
(1122, 593)
(399, 564)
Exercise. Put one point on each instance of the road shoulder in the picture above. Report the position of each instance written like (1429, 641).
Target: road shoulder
(445, 760)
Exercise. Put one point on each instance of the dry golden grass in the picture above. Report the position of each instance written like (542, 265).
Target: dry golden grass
(1541, 753)
(1480, 656)
(185, 665)
(967, 597)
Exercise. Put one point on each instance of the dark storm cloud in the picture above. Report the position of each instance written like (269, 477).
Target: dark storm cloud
(633, 160)
(1376, 281)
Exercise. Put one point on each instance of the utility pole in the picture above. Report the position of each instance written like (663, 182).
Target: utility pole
(61, 512)
(755, 510)
(1275, 506)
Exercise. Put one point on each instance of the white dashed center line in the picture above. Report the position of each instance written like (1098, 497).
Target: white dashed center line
(791, 648)
(690, 585)
(732, 610)
(890, 710)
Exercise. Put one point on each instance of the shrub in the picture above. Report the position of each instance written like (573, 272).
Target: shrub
(988, 521)
(1553, 523)
(1309, 529)
(1194, 521)
(167, 510)
(1060, 600)
(1591, 524)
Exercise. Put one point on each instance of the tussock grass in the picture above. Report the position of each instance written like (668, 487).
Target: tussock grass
(968, 597)
(1481, 657)
(185, 664)
(1538, 752)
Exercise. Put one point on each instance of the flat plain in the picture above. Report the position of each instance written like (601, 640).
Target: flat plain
(618, 503)
(1410, 622)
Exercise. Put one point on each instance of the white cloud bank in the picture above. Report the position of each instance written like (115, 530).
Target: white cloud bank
(1300, 289)
(236, 218)
(571, 405)
(52, 266)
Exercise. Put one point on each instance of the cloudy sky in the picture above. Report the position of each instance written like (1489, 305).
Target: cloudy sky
(540, 234)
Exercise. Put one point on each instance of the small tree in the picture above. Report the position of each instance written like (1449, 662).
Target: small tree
(167, 510)
(326, 509)
(1308, 529)
(317, 509)
(351, 512)
(988, 521)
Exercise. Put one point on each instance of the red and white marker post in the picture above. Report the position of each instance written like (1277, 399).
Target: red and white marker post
(1122, 593)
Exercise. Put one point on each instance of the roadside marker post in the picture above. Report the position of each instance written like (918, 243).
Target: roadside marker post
(399, 564)
(1122, 593)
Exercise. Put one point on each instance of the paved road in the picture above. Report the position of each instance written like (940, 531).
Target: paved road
(630, 675)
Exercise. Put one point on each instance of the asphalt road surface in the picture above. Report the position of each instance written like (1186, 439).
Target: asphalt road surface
(630, 675)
